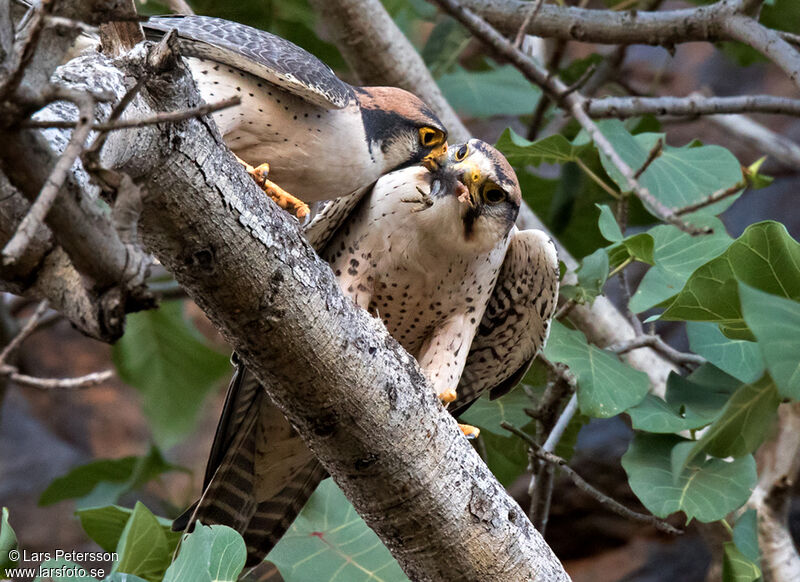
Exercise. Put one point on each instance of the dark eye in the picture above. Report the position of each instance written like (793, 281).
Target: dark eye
(494, 195)
(461, 153)
(430, 137)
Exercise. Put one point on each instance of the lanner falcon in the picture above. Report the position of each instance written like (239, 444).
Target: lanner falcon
(432, 251)
(320, 137)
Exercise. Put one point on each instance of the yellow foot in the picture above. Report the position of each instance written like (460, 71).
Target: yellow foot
(471, 432)
(448, 396)
(279, 195)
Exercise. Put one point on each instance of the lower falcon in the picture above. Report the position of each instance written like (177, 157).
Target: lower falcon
(432, 251)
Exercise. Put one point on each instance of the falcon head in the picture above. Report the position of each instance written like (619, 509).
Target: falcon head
(475, 181)
(400, 129)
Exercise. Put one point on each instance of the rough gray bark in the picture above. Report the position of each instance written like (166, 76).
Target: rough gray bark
(354, 394)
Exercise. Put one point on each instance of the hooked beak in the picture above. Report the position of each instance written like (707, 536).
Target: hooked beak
(469, 179)
(434, 160)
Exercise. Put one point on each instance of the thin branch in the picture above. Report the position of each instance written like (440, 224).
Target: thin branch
(26, 330)
(533, 8)
(15, 248)
(163, 117)
(713, 198)
(581, 484)
(571, 101)
(24, 47)
(625, 107)
(655, 152)
(80, 382)
(561, 425)
(658, 344)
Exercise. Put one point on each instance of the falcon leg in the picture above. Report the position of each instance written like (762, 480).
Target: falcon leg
(424, 199)
(279, 195)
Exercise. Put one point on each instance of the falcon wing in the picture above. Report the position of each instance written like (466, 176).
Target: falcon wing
(324, 225)
(257, 52)
(259, 473)
(516, 322)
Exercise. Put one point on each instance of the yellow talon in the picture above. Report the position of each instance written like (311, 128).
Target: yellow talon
(448, 395)
(281, 197)
(471, 432)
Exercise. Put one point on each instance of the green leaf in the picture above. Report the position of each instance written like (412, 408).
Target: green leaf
(679, 176)
(102, 482)
(765, 257)
(142, 548)
(592, 275)
(676, 255)
(500, 91)
(488, 414)
(736, 567)
(690, 402)
(608, 224)
(775, 322)
(739, 358)
(8, 542)
(214, 553)
(342, 546)
(555, 149)
(743, 424)
(444, 45)
(638, 247)
(506, 456)
(745, 536)
(706, 490)
(161, 356)
(606, 386)
(104, 525)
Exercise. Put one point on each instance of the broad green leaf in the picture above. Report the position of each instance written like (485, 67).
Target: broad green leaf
(214, 553)
(743, 424)
(104, 525)
(122, 577)
(8, 542)
(679, 176)
(506, 455)
(676, 255)
(566, 445)
(745, 536)
(444, 45)
(608, 224)
(606, 386)
(500, 91)
(739, 358)
(765, 257)
(592, 275)
(555, 149)
(102, 482)
(775, 322)
(736, 567)
(638, 247)
(61, 570)
(161, 356)
(142, 548)
(690, 402)
(706, 490)
(342, 546)
(488, 414)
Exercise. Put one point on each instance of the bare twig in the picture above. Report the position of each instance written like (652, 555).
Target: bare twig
(15, 248)
(562, 423)
(571, 101)
(26, 330)
(581, 484)
(760, 138)
(713, 198)
(625, 107)
(164, 117)
(651, 157)
(658, 344)
(533, 8)
(24, 47)
(80, 382)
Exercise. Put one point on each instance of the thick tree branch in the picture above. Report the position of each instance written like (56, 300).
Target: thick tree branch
(624, 107)
(346, 385)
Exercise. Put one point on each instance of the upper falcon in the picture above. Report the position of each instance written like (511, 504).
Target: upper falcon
(321, 137)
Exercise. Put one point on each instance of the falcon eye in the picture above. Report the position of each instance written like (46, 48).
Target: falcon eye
(493, 195)
(430, 137)
(462, 152)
